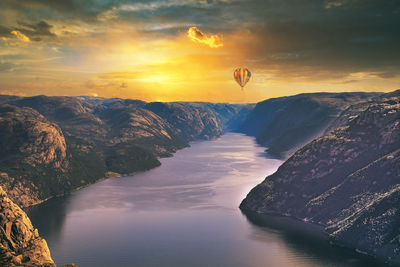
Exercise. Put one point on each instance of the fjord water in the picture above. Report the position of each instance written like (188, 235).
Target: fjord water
(183, 213)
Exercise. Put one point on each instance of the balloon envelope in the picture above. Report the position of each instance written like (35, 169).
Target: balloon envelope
(242, 76)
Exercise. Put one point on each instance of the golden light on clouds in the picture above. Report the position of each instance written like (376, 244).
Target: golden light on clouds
(150, 50)
(213, 41)
(125, 63)
(19, 36)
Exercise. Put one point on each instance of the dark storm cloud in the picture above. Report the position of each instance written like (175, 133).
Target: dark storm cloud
(77, 10)
(177, 15)
(36, 31)
(340, 36)
(5, 32)
(351, 36)
(63, 5)
(343, 36)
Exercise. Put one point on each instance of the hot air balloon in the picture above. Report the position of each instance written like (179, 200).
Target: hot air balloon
(242, 76)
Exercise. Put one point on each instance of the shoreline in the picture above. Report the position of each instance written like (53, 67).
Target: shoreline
(312, 232)
(119, 175)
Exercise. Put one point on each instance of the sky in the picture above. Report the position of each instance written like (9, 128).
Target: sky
(187, 50)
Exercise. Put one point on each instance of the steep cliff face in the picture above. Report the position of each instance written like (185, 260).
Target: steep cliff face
(70, 144)
(347, 180)
(200, 120)
(29, 144)
(130, 124)
(27, 133)
(285, 124)
(52, 145)
(20, 243)
(77, 121)
(190, 123)
(228, 116)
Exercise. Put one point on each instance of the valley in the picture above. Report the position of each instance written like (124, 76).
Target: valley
(52, 146)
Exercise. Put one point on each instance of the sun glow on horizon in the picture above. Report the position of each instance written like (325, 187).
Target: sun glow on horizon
(140, 60)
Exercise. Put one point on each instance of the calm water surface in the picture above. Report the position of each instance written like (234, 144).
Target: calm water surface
(183, 213)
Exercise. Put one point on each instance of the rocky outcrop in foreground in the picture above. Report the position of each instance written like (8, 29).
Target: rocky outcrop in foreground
(20, 243)
(348, 181)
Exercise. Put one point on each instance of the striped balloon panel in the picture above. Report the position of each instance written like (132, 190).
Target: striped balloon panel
(242, 76)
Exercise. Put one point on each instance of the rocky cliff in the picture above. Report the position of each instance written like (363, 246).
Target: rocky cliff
(190, 122)
(285, 124)
(20, 243)
(52, 145)
(228, 116)
(348, 180)
(33, 154)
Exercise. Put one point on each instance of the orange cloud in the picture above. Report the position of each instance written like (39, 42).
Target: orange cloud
(17, 35)
(20, 36)
(213, 41)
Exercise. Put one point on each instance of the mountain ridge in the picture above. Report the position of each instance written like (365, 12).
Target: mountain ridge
(343, 179)
(97, 138)
(285, 124)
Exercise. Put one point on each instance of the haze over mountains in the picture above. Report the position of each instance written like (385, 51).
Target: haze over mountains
(50, 146)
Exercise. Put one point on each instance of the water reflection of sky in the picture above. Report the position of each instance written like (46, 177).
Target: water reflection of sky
(183, 213)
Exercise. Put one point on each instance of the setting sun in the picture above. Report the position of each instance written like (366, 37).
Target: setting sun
(181, 60)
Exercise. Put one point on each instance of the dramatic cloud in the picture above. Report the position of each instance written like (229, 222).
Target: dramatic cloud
(20, 36)
(64, 5)
(213, 41)
(5, 33)
(26, 32)
(15, 35)
(146, 48)
(36, 31)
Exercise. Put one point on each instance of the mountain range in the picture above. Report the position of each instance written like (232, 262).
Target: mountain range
(347, 180)
(341, 172)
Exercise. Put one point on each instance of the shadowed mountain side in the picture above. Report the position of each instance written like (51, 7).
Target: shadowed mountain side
(347, 181)
(52, 145)
(33, 155)
(285, 124)
(38, 162)
(141, 127)
(229, 116)
(190, 123)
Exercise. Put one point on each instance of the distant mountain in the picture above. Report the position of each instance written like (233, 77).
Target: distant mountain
(347, 180)
(190, 122)
(229, 116)
(52, 145)
(285, 124)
